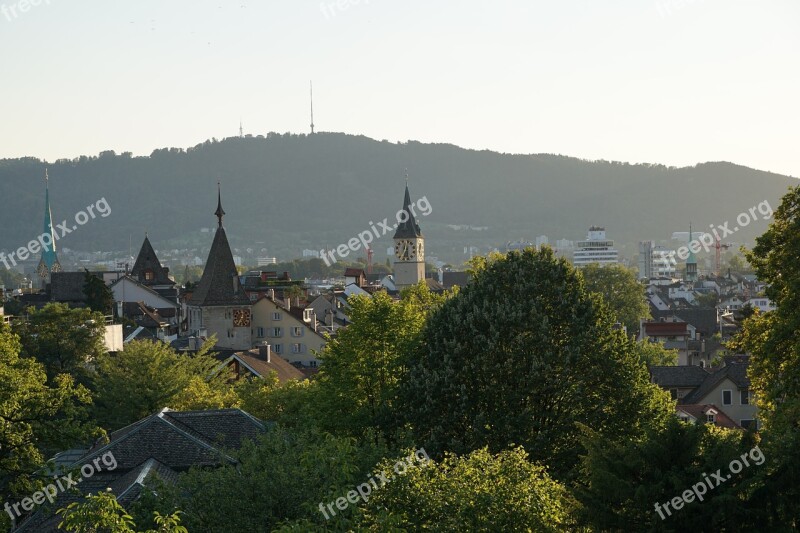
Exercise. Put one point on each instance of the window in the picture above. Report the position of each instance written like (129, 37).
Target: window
(313, 364)
(727, 397)
(276, 316)
(277, 348)
(744, 397)
(298, 348)
(230, 334)
(148, 275)
(297, 331)
(710, 418)
(260, 333)
(746, 423)
(276, 332)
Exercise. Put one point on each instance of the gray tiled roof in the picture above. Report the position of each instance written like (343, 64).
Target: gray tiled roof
(147, 260)
(220, 282)
(736, 372)
(678, 376)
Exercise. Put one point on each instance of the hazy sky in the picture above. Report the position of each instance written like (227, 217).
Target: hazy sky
(668, 81)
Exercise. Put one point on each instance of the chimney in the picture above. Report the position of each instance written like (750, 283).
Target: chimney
(265, 352)
(271, 294)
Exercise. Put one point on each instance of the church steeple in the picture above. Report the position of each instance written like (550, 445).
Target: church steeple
(49, 261)
(691, 260)
(409, 246)
(219, 212)
(407, 229)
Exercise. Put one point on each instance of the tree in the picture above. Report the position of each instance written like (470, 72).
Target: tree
(102, 513)
(64, 340)
(771, 339)
(149, 375)
(622, 292)
(98, 296)
(282, 477)
(37, 417)
(624, 479)
(477, 492)
(518, 357)
(365, 363)
(709, 299)
(654, 354)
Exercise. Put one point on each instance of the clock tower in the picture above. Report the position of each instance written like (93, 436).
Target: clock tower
(409, 248)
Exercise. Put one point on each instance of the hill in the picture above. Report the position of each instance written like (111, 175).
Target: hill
(290, 192)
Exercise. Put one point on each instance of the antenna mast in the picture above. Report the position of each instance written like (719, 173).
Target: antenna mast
(311, 90)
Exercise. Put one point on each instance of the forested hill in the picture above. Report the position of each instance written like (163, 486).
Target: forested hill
(298, 191)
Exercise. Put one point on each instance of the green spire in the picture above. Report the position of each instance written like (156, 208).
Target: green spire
(49, 257)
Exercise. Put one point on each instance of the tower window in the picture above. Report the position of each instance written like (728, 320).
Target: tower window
(148, 275)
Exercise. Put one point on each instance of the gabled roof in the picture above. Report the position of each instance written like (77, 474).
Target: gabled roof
(68, 286)
(670, 377)
(169, 303)
(408, 228)
(736, 372)
(665, 328)
(703, 319)
(259, 367)
(147, 260)
(699, 412)
(220, 282)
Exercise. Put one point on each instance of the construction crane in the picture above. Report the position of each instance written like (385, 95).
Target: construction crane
(718, 256)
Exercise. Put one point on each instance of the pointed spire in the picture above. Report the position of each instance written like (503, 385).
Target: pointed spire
(49, 260)
(409, 227)
(219, 212)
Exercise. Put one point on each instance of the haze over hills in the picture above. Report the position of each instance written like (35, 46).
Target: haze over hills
(291, 192)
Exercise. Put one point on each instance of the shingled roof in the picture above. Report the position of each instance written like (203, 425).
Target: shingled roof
(409, 228)
(735, 371)
(147, 260)
(162, 445)
(220, 283)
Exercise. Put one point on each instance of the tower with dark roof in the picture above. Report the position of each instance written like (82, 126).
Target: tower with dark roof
(49, 261)
(691, 260)
(219, 304)
(409, 247)
(148, 271)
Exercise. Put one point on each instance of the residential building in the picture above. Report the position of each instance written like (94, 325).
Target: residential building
(291, 332)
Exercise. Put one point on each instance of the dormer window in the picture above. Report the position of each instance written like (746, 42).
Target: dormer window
(148, 275)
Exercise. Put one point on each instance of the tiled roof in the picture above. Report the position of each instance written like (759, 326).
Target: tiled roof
(67, 286)
(678, 376)
(736, 372)
(665, 328)
(220, 282)
(254, 363)
(699, 412)
(147, 260)
(703, 319)
(409, 228)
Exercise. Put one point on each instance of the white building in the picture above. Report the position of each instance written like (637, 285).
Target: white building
(595, 249)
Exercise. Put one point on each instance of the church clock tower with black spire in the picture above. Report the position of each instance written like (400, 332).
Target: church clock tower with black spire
(409, 248)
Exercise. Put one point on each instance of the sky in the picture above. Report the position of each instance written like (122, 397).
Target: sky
(677, 82)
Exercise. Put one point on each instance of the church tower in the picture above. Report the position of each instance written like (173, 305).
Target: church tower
(219, 305)
(409, 248)
(49, 261)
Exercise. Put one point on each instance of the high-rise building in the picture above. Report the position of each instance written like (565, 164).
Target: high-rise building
(595, 249)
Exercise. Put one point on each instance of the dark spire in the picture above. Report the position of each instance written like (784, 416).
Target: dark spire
(409, 228)
(219, 212)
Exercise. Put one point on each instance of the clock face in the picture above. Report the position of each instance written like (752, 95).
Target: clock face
(405, 250)
(241, 318)
(42, 270)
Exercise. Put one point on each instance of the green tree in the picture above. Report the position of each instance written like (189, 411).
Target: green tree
(710, 299)
(64, 340)
(654, 354)
(624, 479)
(102, 513)
(622, 292)
(771, 339)
(518, 357)
(477, 492)
(282, 477)
(98, 296)
(365, 363)
(149, 375)
(37, 417)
